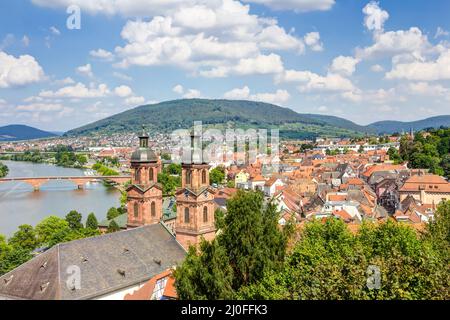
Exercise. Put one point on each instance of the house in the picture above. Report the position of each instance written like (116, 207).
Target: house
(428, 189)
(106, 267)
(160, 287)
(271, 185)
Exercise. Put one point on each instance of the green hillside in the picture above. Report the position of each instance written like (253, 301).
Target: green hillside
(171, 115)
(383, 127)
(22, 132)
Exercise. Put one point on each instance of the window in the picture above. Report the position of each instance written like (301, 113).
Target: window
(205, 214)
(186, 215)
(204, 176)
(136, 210)
(150, 174)
(136, 176)
(153, 209)
(188, 177)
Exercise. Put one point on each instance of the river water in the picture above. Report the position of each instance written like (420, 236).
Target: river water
(19, 204)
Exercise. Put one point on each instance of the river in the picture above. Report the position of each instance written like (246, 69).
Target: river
(19, 204)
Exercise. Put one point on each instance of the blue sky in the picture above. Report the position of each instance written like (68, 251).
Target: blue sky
(361, 60)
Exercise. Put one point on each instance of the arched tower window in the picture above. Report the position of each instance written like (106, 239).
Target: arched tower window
(153, 209)
(188, 177)
(150, 174)
(136, 175)
(204, 176)
(186, 215)
(136, 210)
(205, 214)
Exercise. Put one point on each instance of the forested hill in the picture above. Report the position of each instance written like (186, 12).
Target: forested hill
(22, 132)
(383, 127)
(171, 115)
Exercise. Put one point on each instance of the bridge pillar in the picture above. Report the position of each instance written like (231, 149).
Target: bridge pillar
(36, 184)
(80, 186)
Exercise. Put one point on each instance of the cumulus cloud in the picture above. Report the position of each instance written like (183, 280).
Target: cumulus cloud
(122, 76)
(375, 17)
(344, 65)
(86, 70)
(312, 40)
(178, 89)
(123, 91)
(19, 71)
(441, 33)
(133, 101)
(192, 94)
(312, 82)
(102, 54)
(278, 97)
(77, 91)
(377, 68)
(212, 39)
(423, 70)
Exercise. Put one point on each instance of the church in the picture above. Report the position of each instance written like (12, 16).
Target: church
(115, 265)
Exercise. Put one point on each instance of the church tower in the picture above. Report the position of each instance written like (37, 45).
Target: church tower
(144, 195)
(195, 202)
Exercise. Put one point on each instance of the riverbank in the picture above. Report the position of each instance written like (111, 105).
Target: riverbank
(21, 205)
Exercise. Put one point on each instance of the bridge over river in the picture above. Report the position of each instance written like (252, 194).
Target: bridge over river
(37, 182)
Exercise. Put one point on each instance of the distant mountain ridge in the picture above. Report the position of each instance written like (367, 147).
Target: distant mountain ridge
(180, 114)
(16, 132)
(382, 127)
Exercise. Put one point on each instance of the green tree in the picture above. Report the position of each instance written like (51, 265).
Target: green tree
(92, 222)
(394, 155)
(217, 175)
(47, 228)
(13, 258)
(206, 275)
(113, 227)
(74, 218)
(249, 244)
(3, 170)
(112, 213)
(24, 238)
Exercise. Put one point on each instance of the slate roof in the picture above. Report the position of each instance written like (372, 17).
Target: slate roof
(107, 263)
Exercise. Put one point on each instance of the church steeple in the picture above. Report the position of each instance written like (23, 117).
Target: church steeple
(195, 199)
(144, 195)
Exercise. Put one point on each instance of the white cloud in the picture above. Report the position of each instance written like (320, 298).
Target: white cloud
(134, 101)
(313, 82)
(377, 68)
(211, 39)
(423, 70)
(192, 93)
(296, 5)
(344, 65)
(86, 70)
(102, 54)
(238, 93)
(55, 31)
(123, 91)
(375, 17)
(19, 71)
(426, 89)
(380, 96)
(262, 64)
(312, 40)
(178, 89)
(77, 91)
(278, 97)
(411, 41)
